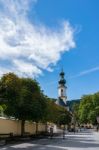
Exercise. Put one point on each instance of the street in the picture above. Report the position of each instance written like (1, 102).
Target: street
(88, 140)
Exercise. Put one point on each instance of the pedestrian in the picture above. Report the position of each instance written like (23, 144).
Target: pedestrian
(64, 133)
(74, 129)
(97, 128)
(79, 128)
(51, 132)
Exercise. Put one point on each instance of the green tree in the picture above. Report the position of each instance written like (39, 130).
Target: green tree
(75, 111)
(89, 108)
(9, 92)
(24, 99)
(1, 110)
(64, 117)
(51, 111)
(56, 114)
(85, 107)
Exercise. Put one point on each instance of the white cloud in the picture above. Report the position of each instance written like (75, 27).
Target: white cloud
(25, 68)
(85, 72)
(37, 47)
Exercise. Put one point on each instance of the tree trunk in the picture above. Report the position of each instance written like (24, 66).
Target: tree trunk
(36, 128)
(46, 127)
(64, 132)
(22, 127)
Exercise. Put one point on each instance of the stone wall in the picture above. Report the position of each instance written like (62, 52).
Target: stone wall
(14, 126)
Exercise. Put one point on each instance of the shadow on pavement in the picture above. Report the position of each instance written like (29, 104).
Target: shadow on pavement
(79, 140)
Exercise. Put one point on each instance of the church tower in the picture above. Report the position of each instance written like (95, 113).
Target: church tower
(62, 90)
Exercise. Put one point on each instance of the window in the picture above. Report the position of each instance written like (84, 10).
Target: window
(62, 92)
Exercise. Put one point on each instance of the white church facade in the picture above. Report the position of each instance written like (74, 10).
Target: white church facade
(62, 97)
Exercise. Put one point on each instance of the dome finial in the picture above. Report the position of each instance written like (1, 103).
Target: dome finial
(62, 68)
(62, 72)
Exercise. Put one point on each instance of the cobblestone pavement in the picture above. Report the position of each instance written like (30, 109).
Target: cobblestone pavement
(79, 141)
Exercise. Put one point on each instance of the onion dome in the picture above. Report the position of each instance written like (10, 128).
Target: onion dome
(62, 81)
(62, 73)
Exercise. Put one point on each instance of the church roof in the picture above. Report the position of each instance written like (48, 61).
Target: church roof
(61, 103)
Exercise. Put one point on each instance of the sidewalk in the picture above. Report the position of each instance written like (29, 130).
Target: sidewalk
(86, 140)
(19, 139)
(96, 136)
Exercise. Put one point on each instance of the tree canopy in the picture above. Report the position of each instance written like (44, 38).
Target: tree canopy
(88, 109)
(24, 100)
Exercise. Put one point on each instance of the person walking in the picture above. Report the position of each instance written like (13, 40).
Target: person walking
(64, 133)
(51, 132)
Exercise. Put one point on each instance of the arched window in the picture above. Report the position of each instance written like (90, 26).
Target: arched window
(62, 92)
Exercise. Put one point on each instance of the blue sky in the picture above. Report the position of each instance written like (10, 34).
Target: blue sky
(38, 37)
(83, 15)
